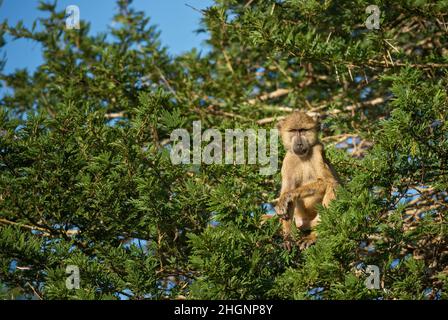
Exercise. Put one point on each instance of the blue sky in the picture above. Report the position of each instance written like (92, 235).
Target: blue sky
(176, 21)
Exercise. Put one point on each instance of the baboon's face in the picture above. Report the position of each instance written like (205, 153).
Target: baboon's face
(299, 133)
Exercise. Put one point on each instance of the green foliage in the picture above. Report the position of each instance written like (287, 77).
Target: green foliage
(86, 177)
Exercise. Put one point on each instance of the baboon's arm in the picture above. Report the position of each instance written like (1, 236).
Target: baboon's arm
(320, 188)
(306, 190)
(287, 210)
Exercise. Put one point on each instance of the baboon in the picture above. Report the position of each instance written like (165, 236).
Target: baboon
(308, 179)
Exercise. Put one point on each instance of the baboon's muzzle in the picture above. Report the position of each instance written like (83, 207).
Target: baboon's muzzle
(300, 147)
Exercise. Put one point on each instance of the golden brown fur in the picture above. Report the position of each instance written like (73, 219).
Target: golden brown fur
(307, 177)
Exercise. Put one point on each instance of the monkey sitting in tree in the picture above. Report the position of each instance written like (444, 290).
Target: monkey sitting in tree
(308, 179)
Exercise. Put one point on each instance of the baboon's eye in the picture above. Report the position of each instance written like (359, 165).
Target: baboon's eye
(298, 130)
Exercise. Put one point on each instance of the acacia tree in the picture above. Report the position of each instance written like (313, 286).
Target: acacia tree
(87, 180)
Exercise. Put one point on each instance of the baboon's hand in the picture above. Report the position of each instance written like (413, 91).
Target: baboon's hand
(282, 206)
(306, 244)
(307, 241)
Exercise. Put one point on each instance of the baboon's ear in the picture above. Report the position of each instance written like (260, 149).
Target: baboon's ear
(280, 123)
(316, 117)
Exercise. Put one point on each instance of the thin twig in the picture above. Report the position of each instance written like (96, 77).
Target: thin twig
(352, 107)
(114, 115)
(195, 9)
(166, 82)
(248, 3)
(46, 232)
(271, 95)
(34, 290)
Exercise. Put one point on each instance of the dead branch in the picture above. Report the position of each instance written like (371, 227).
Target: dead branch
(271, 95)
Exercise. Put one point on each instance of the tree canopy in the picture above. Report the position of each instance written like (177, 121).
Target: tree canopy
(86, 177)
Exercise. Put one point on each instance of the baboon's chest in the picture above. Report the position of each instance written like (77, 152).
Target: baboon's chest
(307, 171)
(308, 174)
